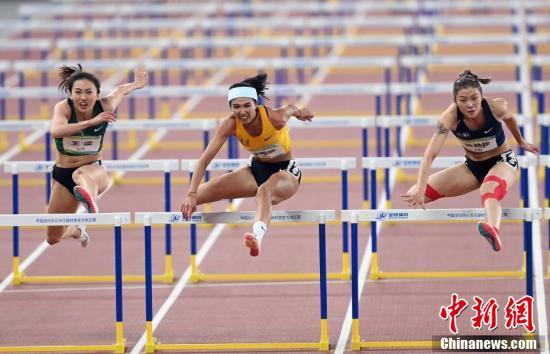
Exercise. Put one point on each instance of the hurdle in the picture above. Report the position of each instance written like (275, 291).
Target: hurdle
(203, 125)
(397, 121)
(374, 163)
(39, 128)
(244, 217)
(329, 163)
(400, 89)
(363, 123)
(430, 60)
(408, 215)
(114, 219)
(17, 167)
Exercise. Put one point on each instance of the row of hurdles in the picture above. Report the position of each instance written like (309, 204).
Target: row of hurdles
(370, 167)
(381, 123)
(319, 217)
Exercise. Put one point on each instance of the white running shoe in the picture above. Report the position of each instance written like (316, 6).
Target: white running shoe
(84, 238)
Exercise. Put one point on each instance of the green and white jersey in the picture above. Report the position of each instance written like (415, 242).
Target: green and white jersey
(89, 141)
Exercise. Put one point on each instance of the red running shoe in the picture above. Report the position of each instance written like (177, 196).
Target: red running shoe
(251, 242)
(491, 234)
(86, 199)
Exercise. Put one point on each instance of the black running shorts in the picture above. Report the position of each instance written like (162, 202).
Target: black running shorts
(480, 169)
(64, 176)
(263, 170)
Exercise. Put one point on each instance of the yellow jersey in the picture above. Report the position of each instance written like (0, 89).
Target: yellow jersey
(270, 144)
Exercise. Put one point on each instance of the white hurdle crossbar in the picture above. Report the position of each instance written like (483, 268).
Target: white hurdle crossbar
(114, 219)
(404, 215)
(204, 125)
(244, 217)
(166, 166)
(408, 215)
(375, 163)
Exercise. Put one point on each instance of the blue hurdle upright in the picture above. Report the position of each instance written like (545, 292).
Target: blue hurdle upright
(243, 217)
(115, 219)
(408, 215)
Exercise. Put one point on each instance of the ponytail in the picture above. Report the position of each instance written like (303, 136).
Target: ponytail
(69, 74)
(258, 82)
(468, 79)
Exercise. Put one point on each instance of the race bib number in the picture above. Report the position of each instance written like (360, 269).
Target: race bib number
(268, 152)
(85, 145)
(294, 170)
(480, 145)
(510, 159)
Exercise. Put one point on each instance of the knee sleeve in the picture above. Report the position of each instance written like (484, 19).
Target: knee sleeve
(499, 192)
(432, 193)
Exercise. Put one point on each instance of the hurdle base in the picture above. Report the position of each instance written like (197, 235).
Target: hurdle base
(120, 348)
(519, 274)
(48, 279)
(397, 344)
(115, 348)
(243, 346)
(151, 347)
(266, 277)
(17, 279)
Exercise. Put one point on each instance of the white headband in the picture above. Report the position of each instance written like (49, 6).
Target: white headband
(242, 91)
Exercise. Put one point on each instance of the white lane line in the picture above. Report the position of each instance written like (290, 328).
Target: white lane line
(367, 255)
(25, 264)
(363, 269)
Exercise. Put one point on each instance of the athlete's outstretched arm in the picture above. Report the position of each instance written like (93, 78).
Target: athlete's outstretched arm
(280, 116)
(509, 119)
(113, 99)
(415, 196)
(226, 128)
(60, 126)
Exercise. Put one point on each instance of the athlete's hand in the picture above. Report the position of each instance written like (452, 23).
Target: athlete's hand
(530, 147)
(189, 206)
(109, 117)
(140, 77)
(415, 197)
(305, 114)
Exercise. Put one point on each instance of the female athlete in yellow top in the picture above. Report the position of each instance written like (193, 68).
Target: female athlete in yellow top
(272, 175)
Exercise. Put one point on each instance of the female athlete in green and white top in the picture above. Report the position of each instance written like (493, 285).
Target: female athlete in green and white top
(78, 126)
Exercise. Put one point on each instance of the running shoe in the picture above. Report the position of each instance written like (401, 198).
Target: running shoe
(86, 199)
(251, 242)
(491, 235)
(84, 239)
